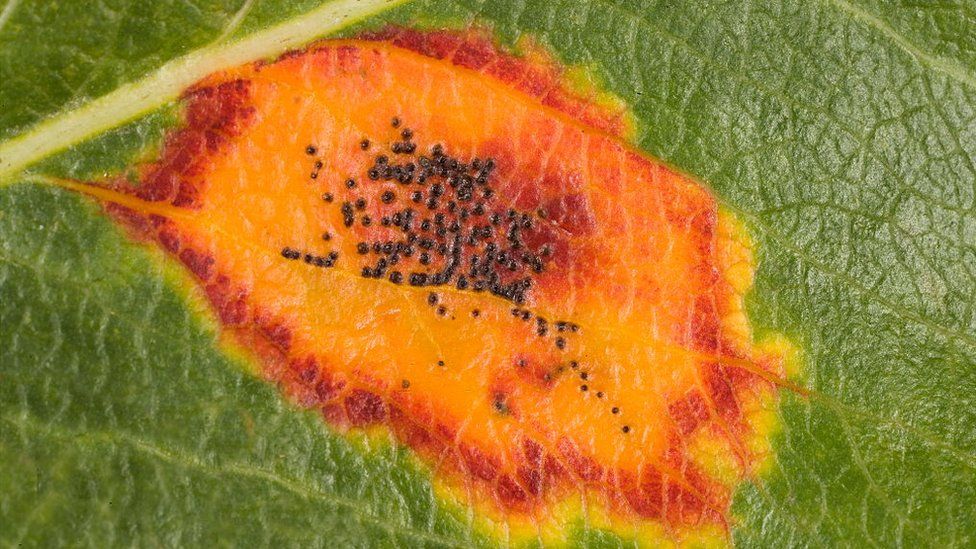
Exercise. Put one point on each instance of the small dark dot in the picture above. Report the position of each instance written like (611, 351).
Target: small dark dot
(614, 410)
(350, 183)
(367, 221)
(584, 387)
(405, 384)
(310, 149)
(599, 394)
(327, 197)
(573, 364)
(407, 133)
(475, 313)
(442, 310)
(625, 428)
(584, 375)
(440, 362)
(326, 236)
(364, 144)
(395, 122)
(289, 253)
(361, 204)
(432, 298)
(560, 343)
(388, 197)
(396, 277)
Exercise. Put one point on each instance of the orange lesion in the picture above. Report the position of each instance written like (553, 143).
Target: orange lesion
(655, 365)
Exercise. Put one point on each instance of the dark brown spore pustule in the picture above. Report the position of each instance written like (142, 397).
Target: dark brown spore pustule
(447, 227)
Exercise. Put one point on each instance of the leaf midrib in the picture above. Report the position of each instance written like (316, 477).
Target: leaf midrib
(165, 84)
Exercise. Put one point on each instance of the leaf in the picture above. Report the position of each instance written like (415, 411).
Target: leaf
(841, 133)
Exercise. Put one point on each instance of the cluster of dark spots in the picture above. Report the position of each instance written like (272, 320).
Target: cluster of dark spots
(446, 229)
(585, 387)
(312, 150)
(328, 260)
(316, 168)
(542, 325)
(563, 326)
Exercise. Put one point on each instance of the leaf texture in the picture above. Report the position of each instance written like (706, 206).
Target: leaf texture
(841, 132)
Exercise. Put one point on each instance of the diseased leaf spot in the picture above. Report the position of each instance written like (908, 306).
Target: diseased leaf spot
(345, 233)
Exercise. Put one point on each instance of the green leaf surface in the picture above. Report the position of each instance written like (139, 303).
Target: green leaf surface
(842, 132)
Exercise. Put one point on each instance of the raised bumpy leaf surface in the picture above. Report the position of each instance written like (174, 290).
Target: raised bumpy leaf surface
(488, 316)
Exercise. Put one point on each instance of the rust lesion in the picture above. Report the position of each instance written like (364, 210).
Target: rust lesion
(621, 368)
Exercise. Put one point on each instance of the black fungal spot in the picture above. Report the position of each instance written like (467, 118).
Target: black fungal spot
(405, 384)
(289, 253)
(500, 405)
(310, 150)
(625, 428)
